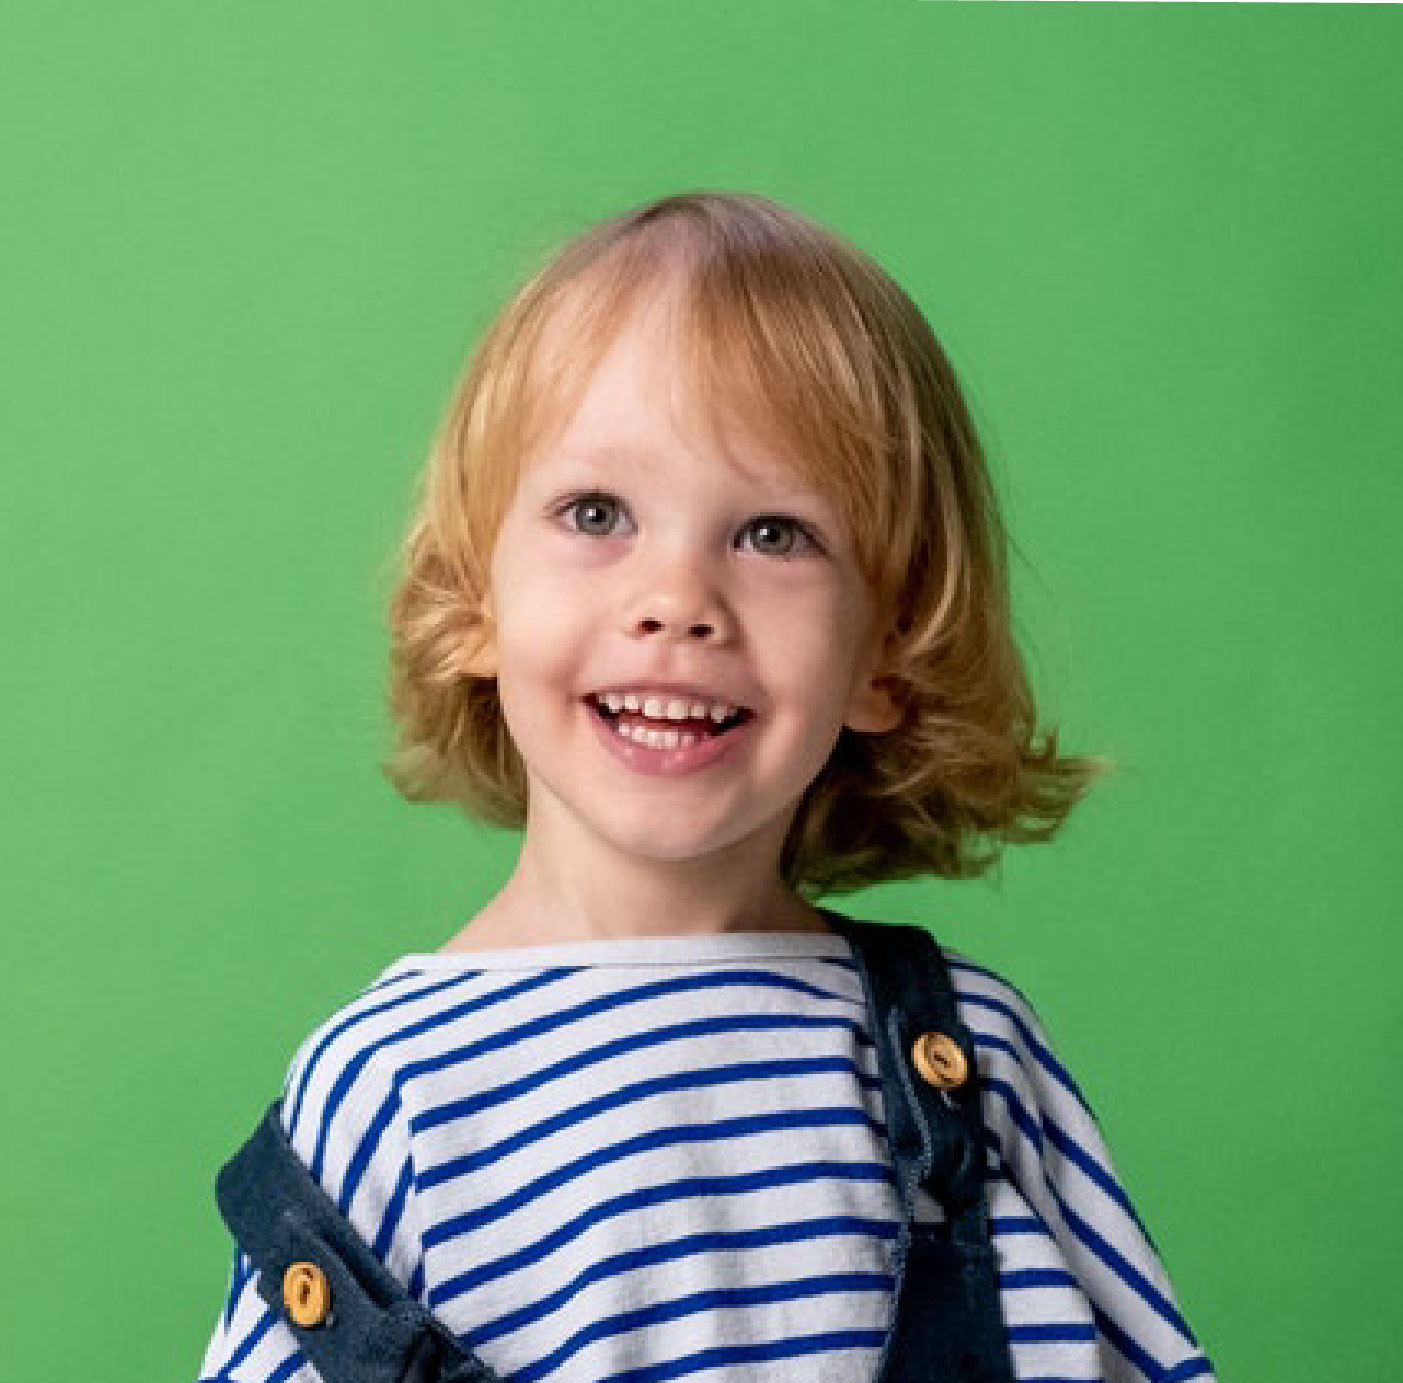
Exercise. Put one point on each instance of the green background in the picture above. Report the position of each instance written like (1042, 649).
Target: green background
(244, 248)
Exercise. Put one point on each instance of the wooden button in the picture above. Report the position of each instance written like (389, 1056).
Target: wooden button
(306, 1294)
(940, 1061)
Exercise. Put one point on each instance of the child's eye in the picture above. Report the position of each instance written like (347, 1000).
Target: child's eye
(592, 502)
(596, 510)
(783, 524)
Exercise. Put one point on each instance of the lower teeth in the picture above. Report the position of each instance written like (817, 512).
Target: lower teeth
(656, 739)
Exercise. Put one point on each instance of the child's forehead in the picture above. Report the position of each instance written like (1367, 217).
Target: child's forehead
(641, 397)
(617, 460)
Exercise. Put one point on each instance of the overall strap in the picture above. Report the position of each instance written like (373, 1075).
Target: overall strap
(348, 1313)
(947, 1323)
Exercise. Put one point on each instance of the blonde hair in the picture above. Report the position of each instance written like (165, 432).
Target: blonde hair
(818, 348)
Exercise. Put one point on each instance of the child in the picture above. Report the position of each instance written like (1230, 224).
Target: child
(706, 592)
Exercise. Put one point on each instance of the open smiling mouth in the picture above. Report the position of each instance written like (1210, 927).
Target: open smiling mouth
(633, 724)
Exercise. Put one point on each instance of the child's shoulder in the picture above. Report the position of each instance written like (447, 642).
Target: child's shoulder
(1007, 1029)
(341, 1108)
(347, 1073)
(987, 996)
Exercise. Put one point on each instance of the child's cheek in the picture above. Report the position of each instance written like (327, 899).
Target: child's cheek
(565, 549)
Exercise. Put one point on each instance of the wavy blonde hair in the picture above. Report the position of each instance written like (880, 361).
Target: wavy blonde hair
(820, 350)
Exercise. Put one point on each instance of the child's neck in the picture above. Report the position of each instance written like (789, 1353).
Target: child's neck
(516, 917)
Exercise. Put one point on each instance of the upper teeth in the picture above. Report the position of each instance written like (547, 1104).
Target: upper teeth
(656, 708)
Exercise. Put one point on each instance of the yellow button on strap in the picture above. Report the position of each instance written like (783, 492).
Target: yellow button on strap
(940, 1060)
(306, 1294)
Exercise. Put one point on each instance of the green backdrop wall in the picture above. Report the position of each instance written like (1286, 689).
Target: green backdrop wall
(244, 249)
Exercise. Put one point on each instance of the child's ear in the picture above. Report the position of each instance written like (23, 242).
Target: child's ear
(875, 706)
(877, 701)
(479, 658)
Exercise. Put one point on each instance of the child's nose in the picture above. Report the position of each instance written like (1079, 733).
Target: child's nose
(698, 629)
(682, 606)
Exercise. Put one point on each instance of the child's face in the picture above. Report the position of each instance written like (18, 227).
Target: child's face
(663, 574)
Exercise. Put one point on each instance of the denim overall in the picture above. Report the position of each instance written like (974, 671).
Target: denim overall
(946, 1326)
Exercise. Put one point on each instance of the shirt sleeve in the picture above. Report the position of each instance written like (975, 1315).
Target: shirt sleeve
(1047, 1143)
(343, 1116)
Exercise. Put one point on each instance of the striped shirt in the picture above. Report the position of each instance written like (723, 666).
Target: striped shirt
(656, 1158)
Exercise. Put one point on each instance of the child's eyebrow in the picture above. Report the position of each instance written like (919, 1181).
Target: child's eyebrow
(632, 461)
(608, 454)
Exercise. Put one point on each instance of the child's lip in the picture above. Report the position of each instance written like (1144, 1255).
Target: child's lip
(670, 763)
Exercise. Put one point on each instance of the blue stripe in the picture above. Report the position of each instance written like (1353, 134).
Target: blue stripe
(584, 1060)
(733, 1128)
(349, 1073)
(1093, 1240)
(1017, 1224)
(1056, 1332)
(723, 1357)
(741, 1072)
(1101, 1175)
(246, 1346)
(1036, 1277)
(743, 1126)
(1122, 1341)
(1037, 1049)
(291, 1365)
(352, 1020)
(710, 1300)
(686, 1188)
(394, 1212)
(1046, 1127)
(367, 1147)
(691, 1245)
(1190, 1368)
(1127, 1272)
(554, 1020)
(1020, 1224)
(1025, 1123)
(738, 1072)
(1129, 1348)
(389, 981)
